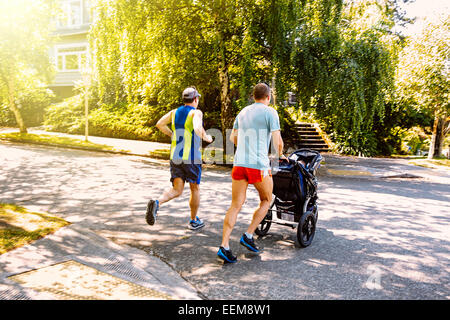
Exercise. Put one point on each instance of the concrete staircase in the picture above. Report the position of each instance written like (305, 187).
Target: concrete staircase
(309, 137)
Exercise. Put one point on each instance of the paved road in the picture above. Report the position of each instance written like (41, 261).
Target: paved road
(376, 238)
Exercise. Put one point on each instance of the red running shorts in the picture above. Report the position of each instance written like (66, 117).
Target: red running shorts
(251, 175)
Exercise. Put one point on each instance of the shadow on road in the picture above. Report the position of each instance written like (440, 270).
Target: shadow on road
(376, 238)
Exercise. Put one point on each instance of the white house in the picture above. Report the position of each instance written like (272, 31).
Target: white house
(70, 51)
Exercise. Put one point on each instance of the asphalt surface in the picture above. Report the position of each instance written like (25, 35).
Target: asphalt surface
(383, 231)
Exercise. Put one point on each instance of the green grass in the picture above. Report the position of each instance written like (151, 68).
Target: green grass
(406, 156)
(160, 154)
(19, 226)
(53, 140)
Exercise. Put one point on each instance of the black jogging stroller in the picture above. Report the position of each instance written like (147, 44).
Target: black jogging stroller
(295, 195)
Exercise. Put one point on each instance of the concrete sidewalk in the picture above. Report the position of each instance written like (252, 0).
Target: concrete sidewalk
(74, 263)
(133, 147)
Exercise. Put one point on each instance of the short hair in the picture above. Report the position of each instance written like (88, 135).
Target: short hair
(260, 91)
(186, 100)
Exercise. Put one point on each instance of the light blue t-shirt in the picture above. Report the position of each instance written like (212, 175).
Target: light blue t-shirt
(255, 124)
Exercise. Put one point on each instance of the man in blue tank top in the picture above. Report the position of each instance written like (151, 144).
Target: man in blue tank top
(186, 133)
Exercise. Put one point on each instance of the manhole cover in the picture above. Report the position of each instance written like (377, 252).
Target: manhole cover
(71, 280)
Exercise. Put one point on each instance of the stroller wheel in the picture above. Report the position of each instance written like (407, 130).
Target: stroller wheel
(264, 226)
(306, 229)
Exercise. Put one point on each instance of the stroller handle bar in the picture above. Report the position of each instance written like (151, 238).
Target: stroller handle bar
(298, 158)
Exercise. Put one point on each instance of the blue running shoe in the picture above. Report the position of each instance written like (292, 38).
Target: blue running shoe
(248, 243)
(152, 209)
(226, 255)
(196, 224)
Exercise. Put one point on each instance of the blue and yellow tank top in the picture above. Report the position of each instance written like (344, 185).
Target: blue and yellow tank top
(186, 144)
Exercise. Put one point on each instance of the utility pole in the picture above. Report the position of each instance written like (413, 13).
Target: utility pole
(86, 113)
(86, 81)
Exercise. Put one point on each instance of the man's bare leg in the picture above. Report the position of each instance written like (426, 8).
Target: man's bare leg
(264, 189)
(238, 195)
(169, 194)
(194, 200)
(174, 192)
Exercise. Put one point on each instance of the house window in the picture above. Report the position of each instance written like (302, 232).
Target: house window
(72, 13)
(71, 58)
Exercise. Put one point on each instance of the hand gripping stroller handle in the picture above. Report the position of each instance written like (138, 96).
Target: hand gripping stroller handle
(290, 161)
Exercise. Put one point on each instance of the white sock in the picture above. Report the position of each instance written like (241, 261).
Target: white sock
(226, 248)
(250, 236)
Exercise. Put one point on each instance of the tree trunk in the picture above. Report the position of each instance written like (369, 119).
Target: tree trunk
(274, 91)
(13, 107)
(445, 132)
(437, 138)
(227, 116)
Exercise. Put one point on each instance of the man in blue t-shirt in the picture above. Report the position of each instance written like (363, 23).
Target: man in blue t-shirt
(253, 130)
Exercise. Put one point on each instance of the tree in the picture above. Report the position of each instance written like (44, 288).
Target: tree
(423, 76)
(24, 60)
(147, 51)
(344, 69)
(338, 56)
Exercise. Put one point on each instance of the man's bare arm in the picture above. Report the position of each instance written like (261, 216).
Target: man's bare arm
(234, 136)
(278, 142)
(198, 126)
(163, 123)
